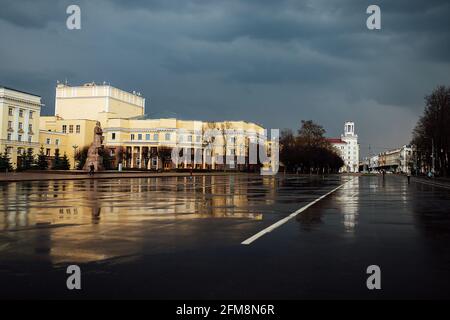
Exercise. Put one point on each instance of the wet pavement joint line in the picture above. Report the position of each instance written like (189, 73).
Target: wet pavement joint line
(289, 217)
(432, 183)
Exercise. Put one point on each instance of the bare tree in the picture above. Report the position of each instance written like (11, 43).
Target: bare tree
(431, 136)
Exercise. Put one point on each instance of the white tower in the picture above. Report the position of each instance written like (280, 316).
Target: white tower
(350, 154)
(349, 129)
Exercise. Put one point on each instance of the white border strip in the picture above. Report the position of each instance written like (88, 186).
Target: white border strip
(289, 217)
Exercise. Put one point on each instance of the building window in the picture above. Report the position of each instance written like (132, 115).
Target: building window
(47, 152)
(21, 113)
(189, 138)
(167, 136)
(48, 141)
(20, 126)
(147, 137)
(139, 136)
(31, 114)
(198, 138)
(132, 136)
(64, 129)
(57, 142)
(19, 138)
(113, 136)
(156, 137)
(9, 137)
(30, 128)
(71, 128)
(9, 124)
(78, 128)
(29, 139)
(10, 111)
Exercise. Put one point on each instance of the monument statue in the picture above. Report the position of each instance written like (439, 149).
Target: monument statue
(93, 156)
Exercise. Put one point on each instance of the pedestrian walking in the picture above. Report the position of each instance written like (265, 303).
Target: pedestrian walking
(91, 169)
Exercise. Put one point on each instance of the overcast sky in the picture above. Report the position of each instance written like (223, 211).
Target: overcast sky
(274, 62)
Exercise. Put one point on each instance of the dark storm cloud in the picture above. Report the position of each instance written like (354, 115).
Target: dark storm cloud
(270, 61)
(32, 13)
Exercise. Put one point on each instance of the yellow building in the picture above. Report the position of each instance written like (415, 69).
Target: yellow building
(130, 138)
(68, 136)
(139, 142)
(19, 122)
(142, 143)
(96, 102)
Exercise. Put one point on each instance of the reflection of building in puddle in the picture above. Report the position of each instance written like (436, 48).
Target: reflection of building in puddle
(190, 198)
(271, 183)
(91, 201)
(14, 207)
(349, 205)
(69, 220)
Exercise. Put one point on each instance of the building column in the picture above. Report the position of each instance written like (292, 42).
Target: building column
(203, 159)
(138, 153)
(142, 163)
(132, 157)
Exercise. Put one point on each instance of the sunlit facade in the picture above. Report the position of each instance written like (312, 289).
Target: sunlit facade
(137, 142)
(347, 147)
(19, 122)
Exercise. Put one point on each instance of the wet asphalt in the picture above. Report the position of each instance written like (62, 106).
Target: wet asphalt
(180, 238)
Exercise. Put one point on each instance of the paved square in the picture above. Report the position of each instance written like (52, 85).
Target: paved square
(177, 237)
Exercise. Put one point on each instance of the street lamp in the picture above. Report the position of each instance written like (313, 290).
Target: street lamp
(75, 147)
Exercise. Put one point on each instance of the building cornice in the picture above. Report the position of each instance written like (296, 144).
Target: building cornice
(19, 143)
(103, 97)
(118, 129)
(8, 100)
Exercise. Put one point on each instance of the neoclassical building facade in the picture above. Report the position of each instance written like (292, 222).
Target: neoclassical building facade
(129, 137)
(19, 122)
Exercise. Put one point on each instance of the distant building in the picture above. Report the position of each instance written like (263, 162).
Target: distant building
(398, 160)
(348, 148)
(374, 162)
(19, 122)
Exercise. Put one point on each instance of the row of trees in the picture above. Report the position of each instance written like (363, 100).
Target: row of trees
(431, 136)
(28, 161)
(308, 150)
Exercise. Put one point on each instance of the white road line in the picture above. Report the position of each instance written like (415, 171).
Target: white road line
(289, 217)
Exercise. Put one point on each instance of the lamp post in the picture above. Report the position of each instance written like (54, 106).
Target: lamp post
(75, 147)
